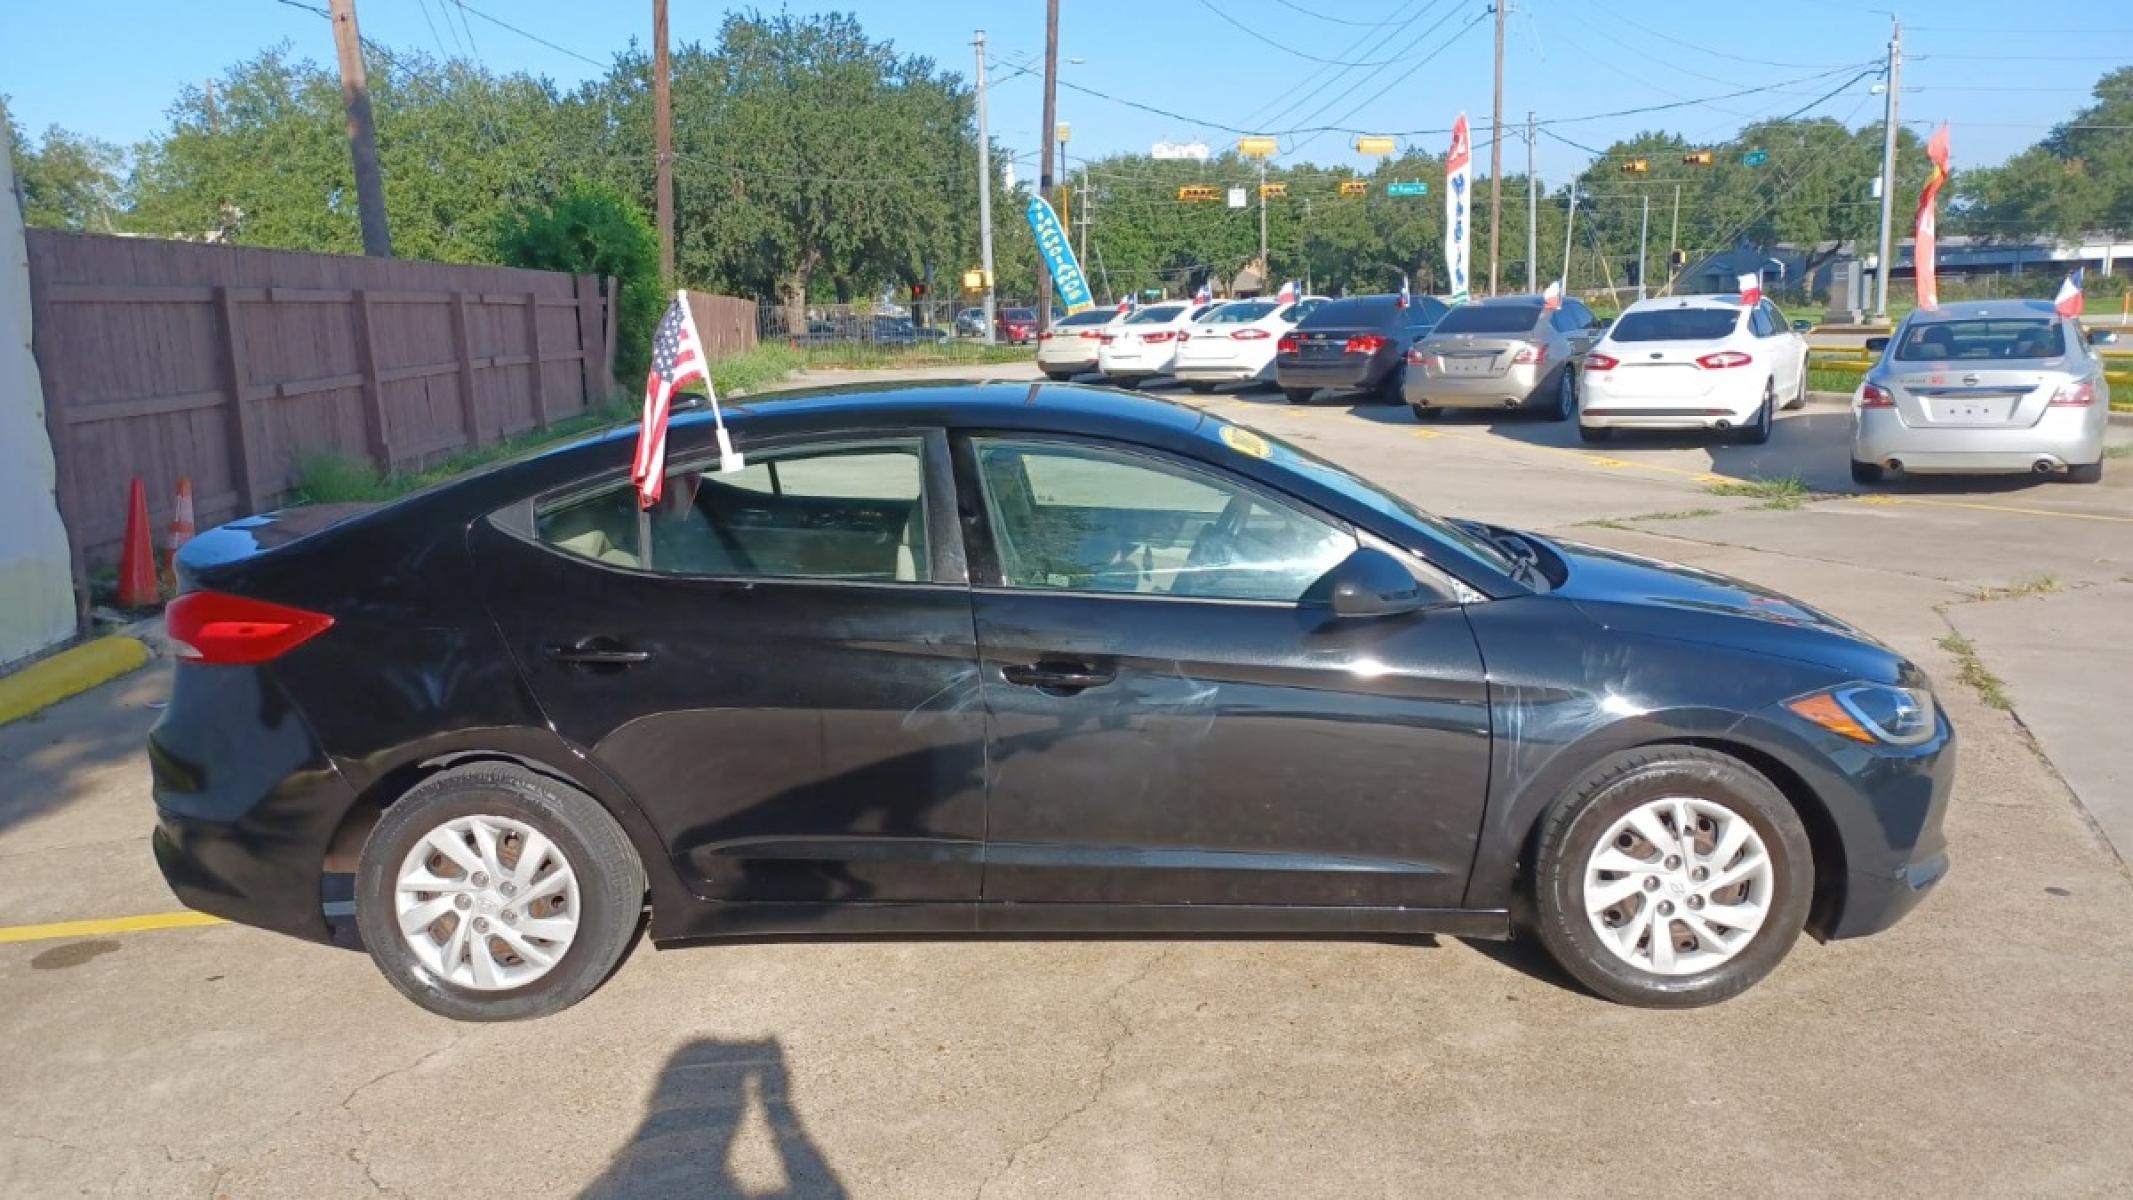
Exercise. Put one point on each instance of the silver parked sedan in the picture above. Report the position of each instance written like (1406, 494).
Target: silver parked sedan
(2001, 387)
(1505, 352)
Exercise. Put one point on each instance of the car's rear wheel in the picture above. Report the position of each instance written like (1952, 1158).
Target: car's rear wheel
(1059, 376)
(2085, 472)
(1866, 472)
(1566, 396)
(1757, 431)
(1799, 397)
(1593, 433)
(1392, 388)
(1671, 877)
(1424, 412)
(490, 892)
(1299, 395)
(1128, 382)
(1201, 387)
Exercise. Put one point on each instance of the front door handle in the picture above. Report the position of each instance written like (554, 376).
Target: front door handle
(599, 652)
(1070, 677)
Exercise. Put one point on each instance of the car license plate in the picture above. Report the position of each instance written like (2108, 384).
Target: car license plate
(1468, 364)
(1972, 410)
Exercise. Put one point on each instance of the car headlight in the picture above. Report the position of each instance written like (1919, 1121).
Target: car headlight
(1871, 713)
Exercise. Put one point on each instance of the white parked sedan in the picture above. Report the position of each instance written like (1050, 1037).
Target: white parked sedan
(1693, 362)
(1069, 347)
(1145, 344)
(1235, 342)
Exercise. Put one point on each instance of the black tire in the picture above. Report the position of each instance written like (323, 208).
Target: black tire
(1566, 397)
(1201, 387)
(611, 887)
(1058, 377)
(1393, 388)
(1128, 382)
(1866, 472)
(2085, 472)
(1757, 432)
(1615, 786)
(1593, 433)
(1424, 412)
(1799, 399)
(1299, 395)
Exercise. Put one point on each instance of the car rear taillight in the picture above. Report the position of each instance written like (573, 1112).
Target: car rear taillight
(1535, 353)
(1723, 359)
(1287, 345)
(1185, 335)
(2081, 394)
(218, 629)
(1364, 343)
(1875, 396)
(1600, 362)
(1250, 335)
(1105, 338)
(1163, 336)
(1046, 336)
(1093, 336)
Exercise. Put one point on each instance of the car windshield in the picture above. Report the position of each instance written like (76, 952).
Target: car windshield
(1491, 318)
(1941, 341)
(1158, 315)
(1376, 499)
(1676, 325)
(1240, 312)
(1095, 316)
(1354, 310)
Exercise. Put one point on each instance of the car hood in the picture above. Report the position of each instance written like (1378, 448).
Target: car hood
(1662, 599)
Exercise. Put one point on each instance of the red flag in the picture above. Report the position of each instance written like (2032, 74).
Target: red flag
(1924, 228)
(677, 359)
(1751, 288)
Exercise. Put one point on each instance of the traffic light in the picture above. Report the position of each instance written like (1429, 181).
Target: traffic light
(1199, 194)
(1273, 191)
(1697, 158)
(918, 291)
(1636, 166)
(1677, 258)
(1354, 187)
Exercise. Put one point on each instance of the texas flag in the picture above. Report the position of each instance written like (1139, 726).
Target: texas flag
(1205, 295)
(1287, 295)
(1552, 299)
(1751, 289)
(1405, 298)
(2068, 301)
(1127, 304)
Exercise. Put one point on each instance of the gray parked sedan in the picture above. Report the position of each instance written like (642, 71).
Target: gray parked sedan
(2001, 387)
(1504, 352)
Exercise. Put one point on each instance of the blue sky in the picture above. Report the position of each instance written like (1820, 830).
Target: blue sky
(2000, 72)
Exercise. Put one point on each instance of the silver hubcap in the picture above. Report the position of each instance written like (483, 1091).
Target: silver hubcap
(487, 903)
(1678, 885)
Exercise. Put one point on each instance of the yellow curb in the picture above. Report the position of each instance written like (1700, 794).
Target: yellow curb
(75, 929)
(68, 673)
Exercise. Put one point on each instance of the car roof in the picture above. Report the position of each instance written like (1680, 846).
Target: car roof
(1972, 310)
(1527, 300)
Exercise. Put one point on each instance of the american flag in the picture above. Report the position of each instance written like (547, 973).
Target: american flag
(677, 359)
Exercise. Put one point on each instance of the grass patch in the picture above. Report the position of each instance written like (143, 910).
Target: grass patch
(1973, 673)
(1622, 523)
(2123, 451)
(1833, 379)
(753, 370)
(2035, 585)
(864, 355)
(1608, 523)
(1783, 494)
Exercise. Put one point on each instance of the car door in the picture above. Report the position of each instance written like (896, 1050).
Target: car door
(1170, 726)
(777, 662)
(1790, 348)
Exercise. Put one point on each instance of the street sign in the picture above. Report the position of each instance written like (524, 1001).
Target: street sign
(1755, 158)
(1236, 197)
(1194, 151)
(1407, 189)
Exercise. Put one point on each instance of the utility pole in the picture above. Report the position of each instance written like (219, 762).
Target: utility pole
(1081, 252)
(1265, 271)
(1570, 221)
(1673, 242)
(1532, 213)
(1643, 231)
(1496, 149)
(1044, 149)
(984, 190)
(362, 136)
(1888, 171)
(663, 143)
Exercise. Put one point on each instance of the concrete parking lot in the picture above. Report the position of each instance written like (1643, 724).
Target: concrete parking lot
(1984, 1046)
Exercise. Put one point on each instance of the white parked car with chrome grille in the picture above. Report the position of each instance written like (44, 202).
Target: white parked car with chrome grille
(1693, 362)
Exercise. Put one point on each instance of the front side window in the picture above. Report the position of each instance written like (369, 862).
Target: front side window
(1083, 519)
(851, 511)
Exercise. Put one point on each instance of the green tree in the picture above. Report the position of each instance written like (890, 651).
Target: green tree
(590, 228)
(68, 181)
(2078, 180)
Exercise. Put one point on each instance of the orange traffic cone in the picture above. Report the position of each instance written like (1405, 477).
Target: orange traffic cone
(137, 559)
(181, 524)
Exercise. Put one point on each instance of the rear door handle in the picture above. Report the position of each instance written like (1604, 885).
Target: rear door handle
(1071, 677)
(599, 652)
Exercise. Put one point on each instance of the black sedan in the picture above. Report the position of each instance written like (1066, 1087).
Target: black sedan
(996, 658)
(1358, 343)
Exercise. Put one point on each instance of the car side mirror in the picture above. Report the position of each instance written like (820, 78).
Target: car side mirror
(1368, 583)
(1875, 345)
(1802, 326)
(2103, 337)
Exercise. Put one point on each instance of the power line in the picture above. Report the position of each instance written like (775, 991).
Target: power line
(1293, 7)
(1375, 96)
(1686, 45)
(1284, 48)
(465, 8)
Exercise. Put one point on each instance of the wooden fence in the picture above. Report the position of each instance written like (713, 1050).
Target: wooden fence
(229, 365)
(727, 324)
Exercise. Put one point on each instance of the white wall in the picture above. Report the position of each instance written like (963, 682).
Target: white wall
(36, 592)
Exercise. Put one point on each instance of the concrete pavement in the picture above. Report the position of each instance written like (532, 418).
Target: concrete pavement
(1983, 1046)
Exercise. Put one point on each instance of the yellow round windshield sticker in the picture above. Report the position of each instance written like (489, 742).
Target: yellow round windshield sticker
(1244, 441)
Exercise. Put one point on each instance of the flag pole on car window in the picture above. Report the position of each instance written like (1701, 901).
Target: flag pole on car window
(677, 359)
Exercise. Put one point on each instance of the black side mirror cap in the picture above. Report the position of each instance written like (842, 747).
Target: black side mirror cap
(1875, 345)
(2103, 337)
(1802, 326)
(1369, 583)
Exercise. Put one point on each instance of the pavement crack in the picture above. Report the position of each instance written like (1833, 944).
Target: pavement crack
(1119, 1037)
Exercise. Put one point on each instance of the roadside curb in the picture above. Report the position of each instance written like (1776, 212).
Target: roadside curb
(69, 673)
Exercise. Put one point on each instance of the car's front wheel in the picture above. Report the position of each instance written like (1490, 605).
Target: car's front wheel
(1671, 877)
(490, 892)
(1299, 395)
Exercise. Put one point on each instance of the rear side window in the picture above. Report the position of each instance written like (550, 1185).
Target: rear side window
(1954, 340)
(852, 511)
(1240, 312)
(1490, 318)
(1354, 310)
(1676, 325)
(1161, 314)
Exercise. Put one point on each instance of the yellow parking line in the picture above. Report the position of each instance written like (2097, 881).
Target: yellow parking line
(76, 929)
(2004, 508)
